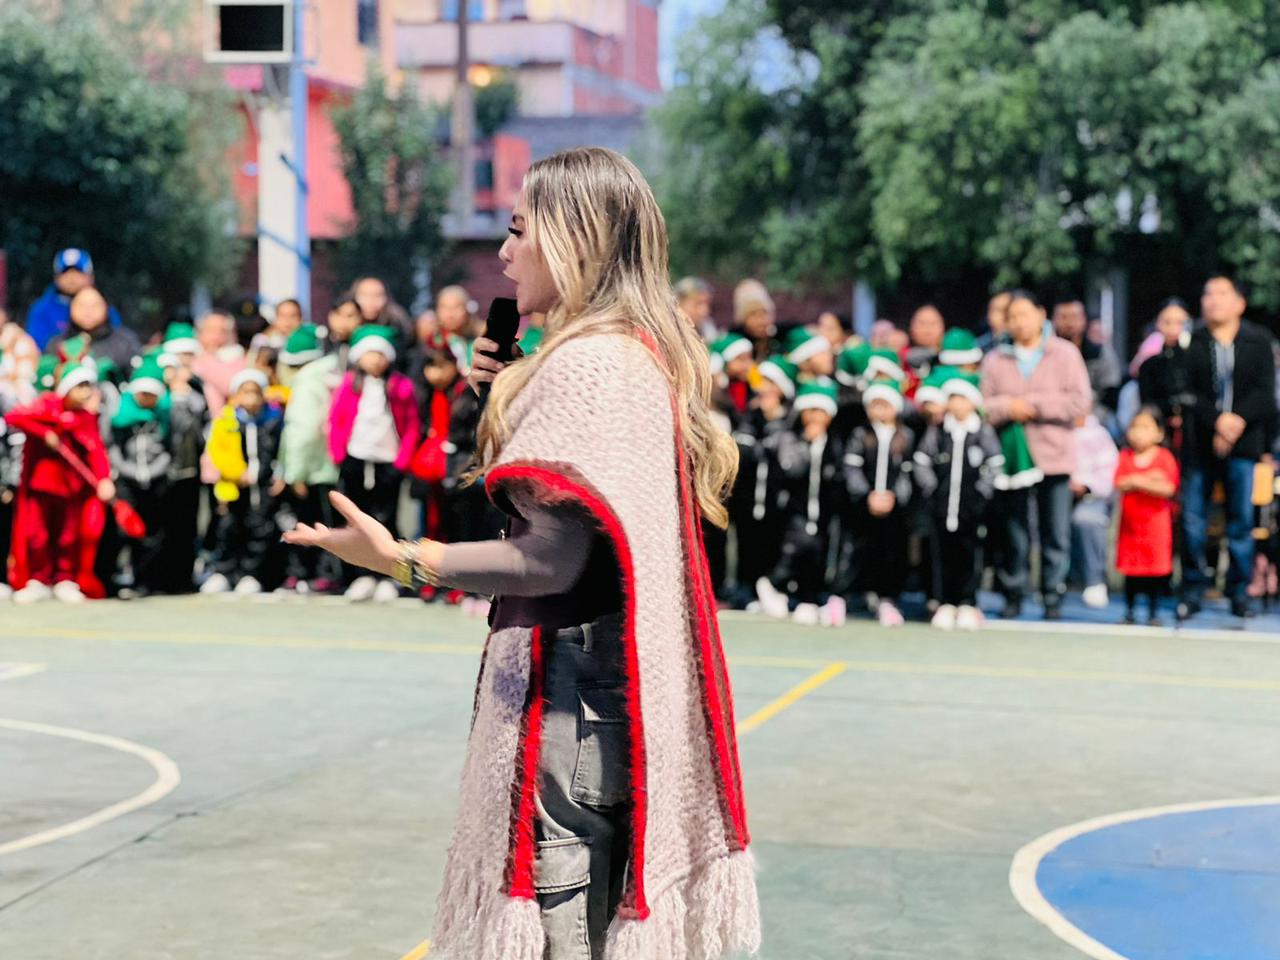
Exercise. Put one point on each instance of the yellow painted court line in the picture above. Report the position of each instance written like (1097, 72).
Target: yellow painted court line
(803, 689)
(418, 952)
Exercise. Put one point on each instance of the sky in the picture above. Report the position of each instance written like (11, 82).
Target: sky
(677, 16)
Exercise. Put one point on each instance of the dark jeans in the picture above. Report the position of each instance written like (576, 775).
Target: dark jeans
(801, 569)
(181, 509)
(1197, 488)
(1052, 500)
(246, 537)
(584, 788)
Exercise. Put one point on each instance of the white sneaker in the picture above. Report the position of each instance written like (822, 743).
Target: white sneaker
(68, 591)
(1095, 596)
(807, 613)
(753, 606)
(945, 617)
(247, 586)
(6, 591)
(33, 592)
(385, 592)
(216, 584)
(834, 612)
(361, 589)
(889, 615)
(772, 602)
(968, 618)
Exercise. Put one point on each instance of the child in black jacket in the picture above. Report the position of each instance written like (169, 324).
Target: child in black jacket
(878, 475)
(810, 499)
(956, 466)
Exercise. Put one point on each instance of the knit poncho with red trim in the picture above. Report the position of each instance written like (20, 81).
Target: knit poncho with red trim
(595, 428)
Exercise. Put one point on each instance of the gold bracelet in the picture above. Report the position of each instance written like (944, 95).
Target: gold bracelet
(423, 572)
(402, 569)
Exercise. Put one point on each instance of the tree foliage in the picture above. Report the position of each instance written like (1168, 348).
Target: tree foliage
(96, 154)
(400, 186)
(1033, 140)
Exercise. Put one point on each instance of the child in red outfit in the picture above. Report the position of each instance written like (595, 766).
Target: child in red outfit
(58, 517)
(1147, 475)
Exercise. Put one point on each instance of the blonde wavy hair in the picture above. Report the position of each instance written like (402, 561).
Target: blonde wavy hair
(593, 219)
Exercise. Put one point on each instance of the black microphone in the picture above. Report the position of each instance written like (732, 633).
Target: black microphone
(500, 326)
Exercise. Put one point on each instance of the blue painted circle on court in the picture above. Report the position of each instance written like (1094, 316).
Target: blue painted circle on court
(1202, 885)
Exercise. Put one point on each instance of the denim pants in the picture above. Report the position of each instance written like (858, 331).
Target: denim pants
(1197, 488)
(1090, 523)
(583, 798)
(1051, 499)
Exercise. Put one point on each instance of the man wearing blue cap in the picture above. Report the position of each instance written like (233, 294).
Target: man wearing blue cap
(51, 314)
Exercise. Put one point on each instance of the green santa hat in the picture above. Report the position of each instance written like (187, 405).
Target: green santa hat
(883, 363)
(885, 389)
(932, 388)
(302, 347)
(781, 371)
(373, 338)
(819, 393)
(1020, 468)
(801, 344)
(964, 384)
(959, 349)
(851, 363)
(148, 375)
(531, 340)
(46, 372)
(75, 372)
(731, 346)
(180, 338)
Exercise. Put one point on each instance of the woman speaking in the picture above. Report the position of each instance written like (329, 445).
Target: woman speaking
(601, 811)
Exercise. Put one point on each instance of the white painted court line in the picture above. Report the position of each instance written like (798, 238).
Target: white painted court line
(167, 779)
(1026, 862)
(12, 671)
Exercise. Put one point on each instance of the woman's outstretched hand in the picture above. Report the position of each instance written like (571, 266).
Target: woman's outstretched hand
(363, 542)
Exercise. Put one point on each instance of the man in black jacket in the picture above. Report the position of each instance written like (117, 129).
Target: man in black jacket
(1228, 428)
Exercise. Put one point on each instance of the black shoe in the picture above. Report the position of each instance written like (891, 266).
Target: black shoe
(1012, 608)
(1129, 618)
(1243, 607)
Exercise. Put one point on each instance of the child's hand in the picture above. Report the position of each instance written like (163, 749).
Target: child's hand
(51, 440)
(1124, 484)
(299, 489)
(277, 487)
(106, 490)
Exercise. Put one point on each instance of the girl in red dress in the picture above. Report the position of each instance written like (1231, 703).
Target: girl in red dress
(1147, 476)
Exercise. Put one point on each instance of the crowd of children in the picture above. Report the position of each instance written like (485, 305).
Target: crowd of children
(910, 461)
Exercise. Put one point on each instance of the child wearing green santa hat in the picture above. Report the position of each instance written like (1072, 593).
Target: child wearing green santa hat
(957, 465)
(811, 352)
(806, 461)
(878, 469)
(141, 459)
(752, 512)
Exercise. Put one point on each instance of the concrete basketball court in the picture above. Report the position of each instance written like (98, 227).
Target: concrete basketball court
(259, 779)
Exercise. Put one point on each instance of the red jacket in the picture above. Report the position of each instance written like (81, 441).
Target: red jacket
(43, 469)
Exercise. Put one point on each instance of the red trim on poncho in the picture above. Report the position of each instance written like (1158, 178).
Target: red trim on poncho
(520, 879)
(633, 904)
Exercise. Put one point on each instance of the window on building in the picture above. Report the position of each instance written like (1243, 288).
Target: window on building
(367, 22)
(449, 11)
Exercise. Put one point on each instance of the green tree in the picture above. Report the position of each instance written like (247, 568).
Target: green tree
(927, 140)
(400, 186)
(97, 154)
(495, 104)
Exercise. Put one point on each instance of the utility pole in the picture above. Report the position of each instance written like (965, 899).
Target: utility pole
(463, 132)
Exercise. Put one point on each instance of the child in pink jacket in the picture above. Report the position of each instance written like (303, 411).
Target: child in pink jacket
(373, 432)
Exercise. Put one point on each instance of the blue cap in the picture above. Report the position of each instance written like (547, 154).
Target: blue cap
(72, 259)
